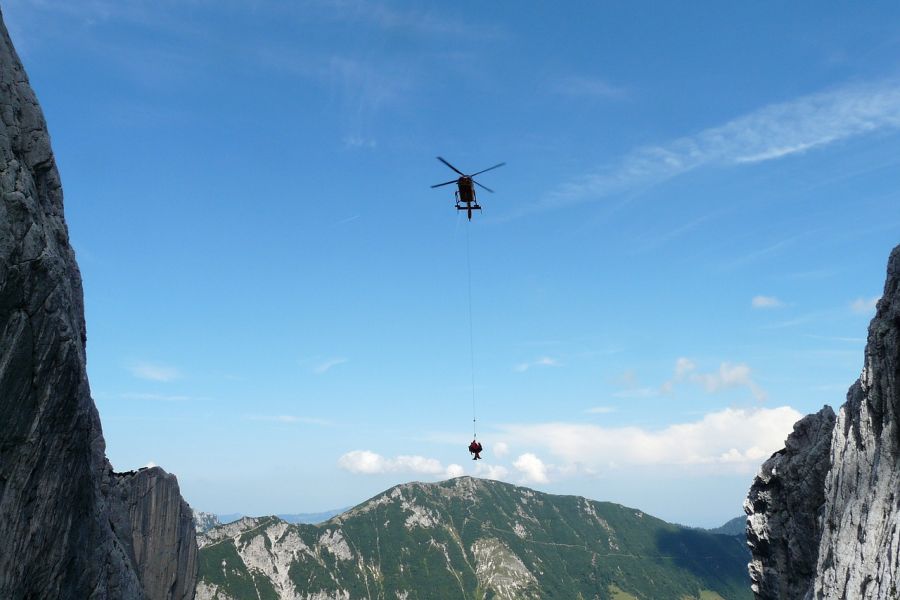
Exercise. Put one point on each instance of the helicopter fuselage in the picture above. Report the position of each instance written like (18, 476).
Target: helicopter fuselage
(465, 196)
(466, 192)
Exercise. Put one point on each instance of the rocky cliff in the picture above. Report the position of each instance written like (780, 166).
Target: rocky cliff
(69, 526)
(824, 513)
(784, 505)
(204, 521)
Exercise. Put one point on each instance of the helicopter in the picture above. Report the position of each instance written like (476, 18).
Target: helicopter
(465, 195)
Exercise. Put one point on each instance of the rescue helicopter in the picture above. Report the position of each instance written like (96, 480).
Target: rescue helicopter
(465, 194)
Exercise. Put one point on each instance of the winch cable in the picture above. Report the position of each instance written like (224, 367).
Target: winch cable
(471, 328)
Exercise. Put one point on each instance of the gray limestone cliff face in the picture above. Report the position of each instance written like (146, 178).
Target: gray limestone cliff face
(783, 506)
(860, 546)
(158, 528)
(69, 526)
(824, 514)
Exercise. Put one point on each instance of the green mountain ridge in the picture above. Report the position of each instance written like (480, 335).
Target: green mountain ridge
(736, 526)
(469, 538)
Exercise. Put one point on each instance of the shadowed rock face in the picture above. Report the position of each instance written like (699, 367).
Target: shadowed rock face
(69, 526)
(824, 518)
(783, 527)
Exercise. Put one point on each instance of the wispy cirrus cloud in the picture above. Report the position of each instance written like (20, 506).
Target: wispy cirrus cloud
(769, 133)
(638, 392)
(588, 87)
(327, 365)
(543, 361)
(154, 371)
(729, 375)
(357, 141)
(349, 219)
(765, 253)
(766, 302)
(158, 397)
(413, 20)
(288, 419)
(836, 338)
(865, 306)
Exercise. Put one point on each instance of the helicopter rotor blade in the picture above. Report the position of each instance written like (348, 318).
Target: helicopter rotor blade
(488, 169)
(451, 166)
(483, 186)
(445, 183)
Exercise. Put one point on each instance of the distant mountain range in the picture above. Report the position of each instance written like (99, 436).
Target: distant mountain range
(469, 538)
(205, 521)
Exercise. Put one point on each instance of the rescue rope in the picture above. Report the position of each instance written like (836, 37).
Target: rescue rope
(471, 334)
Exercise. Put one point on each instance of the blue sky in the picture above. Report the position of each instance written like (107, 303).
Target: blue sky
(681, 258)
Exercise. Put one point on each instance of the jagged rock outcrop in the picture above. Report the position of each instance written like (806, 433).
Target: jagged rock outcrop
(69, 526)
(860, 547)
(204, 521)
(785, 542)
(847, 522)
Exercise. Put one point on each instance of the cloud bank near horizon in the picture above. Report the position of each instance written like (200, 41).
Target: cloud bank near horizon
(729, 441)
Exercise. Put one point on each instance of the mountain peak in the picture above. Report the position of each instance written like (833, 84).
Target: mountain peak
(465, 537)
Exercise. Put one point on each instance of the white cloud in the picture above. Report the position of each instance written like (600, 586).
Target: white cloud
(684, 365)
(644, 392)
(363, 461)
(728, 376)
(150, 465)
(327, 365)
(369, 463)
(154, 371)
(500, 449)
(454, 470)
(864, 306)
(531, 468)
(489, 471)
(734, 440)
(766, 302)
(544, 361)
(769, 133)
(600, 410)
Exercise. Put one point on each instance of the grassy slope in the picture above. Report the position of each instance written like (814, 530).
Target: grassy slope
(573, 546)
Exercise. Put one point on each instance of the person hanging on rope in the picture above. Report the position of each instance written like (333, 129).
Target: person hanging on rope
(475, 448)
